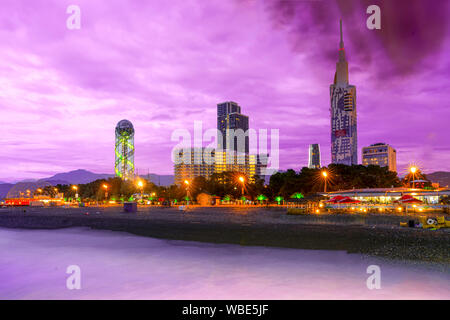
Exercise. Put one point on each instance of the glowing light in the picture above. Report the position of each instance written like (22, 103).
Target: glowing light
(317, 210)
(324, 174)
(105, 186)
(140, 184)
(413, 169)
(74, 187)
(262, 197)
(186, 182)
(241, 179)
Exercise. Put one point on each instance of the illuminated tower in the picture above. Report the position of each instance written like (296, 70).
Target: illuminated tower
(344, 147)
(124, 164)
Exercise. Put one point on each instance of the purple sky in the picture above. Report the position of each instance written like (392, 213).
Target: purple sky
(165, 64)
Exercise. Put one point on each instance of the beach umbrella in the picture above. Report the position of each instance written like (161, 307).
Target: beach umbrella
(408, 199)
(348, 200)
(336, 199)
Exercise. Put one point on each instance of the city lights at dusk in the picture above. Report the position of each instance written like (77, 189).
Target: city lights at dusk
(218, 158)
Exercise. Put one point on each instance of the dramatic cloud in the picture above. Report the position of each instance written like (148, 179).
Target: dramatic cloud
(165, 64)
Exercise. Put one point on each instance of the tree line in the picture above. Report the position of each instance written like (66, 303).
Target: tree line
(227, 185)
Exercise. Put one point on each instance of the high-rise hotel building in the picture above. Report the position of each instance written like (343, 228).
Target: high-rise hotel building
(229, 121)
(190, 163)
(344, 147)
(380, 154)
(232, 153)
(233, 147)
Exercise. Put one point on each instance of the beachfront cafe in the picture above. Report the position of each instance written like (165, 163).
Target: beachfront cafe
(388, 199)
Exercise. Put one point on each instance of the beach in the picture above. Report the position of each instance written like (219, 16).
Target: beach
(370, 234)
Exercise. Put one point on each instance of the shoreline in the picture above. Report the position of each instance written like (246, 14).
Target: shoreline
(371, 234)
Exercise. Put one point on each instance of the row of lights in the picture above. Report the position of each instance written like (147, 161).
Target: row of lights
(412, 169)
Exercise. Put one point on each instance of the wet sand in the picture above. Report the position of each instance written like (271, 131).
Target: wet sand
(372, 234)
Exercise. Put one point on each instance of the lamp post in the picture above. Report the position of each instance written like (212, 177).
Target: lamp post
(413, 171)
(242, 180)
(76, 191)
(325, 176)
(105, 186)
(141, 186)
(186, 182)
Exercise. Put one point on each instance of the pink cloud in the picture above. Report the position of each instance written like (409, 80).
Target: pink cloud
(164, 65)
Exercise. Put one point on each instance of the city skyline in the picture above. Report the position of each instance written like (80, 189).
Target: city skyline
(63, 91)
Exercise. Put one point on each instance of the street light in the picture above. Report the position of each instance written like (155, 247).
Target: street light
(186, 182)
(105, 186)
(76, 191)
(242, 180)
(325, 175)
(141, 186)
(413, 170)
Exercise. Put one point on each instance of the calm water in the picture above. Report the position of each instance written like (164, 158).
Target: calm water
(122, 266)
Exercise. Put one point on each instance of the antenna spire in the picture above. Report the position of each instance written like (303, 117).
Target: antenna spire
(341, 44)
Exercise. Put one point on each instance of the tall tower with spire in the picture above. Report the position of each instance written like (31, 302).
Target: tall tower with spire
(344, 143)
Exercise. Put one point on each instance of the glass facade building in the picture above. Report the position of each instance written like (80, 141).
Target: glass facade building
(314, 156)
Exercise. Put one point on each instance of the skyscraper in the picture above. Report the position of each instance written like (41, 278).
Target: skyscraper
(124, 150)
(233, 148)
(380, 154)
(314, 156)
(344, 148)
(233, 126)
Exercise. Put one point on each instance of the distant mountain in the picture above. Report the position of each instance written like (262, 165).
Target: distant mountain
(20, 188)
(4, 189)
(79, 176)
(441, 177)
